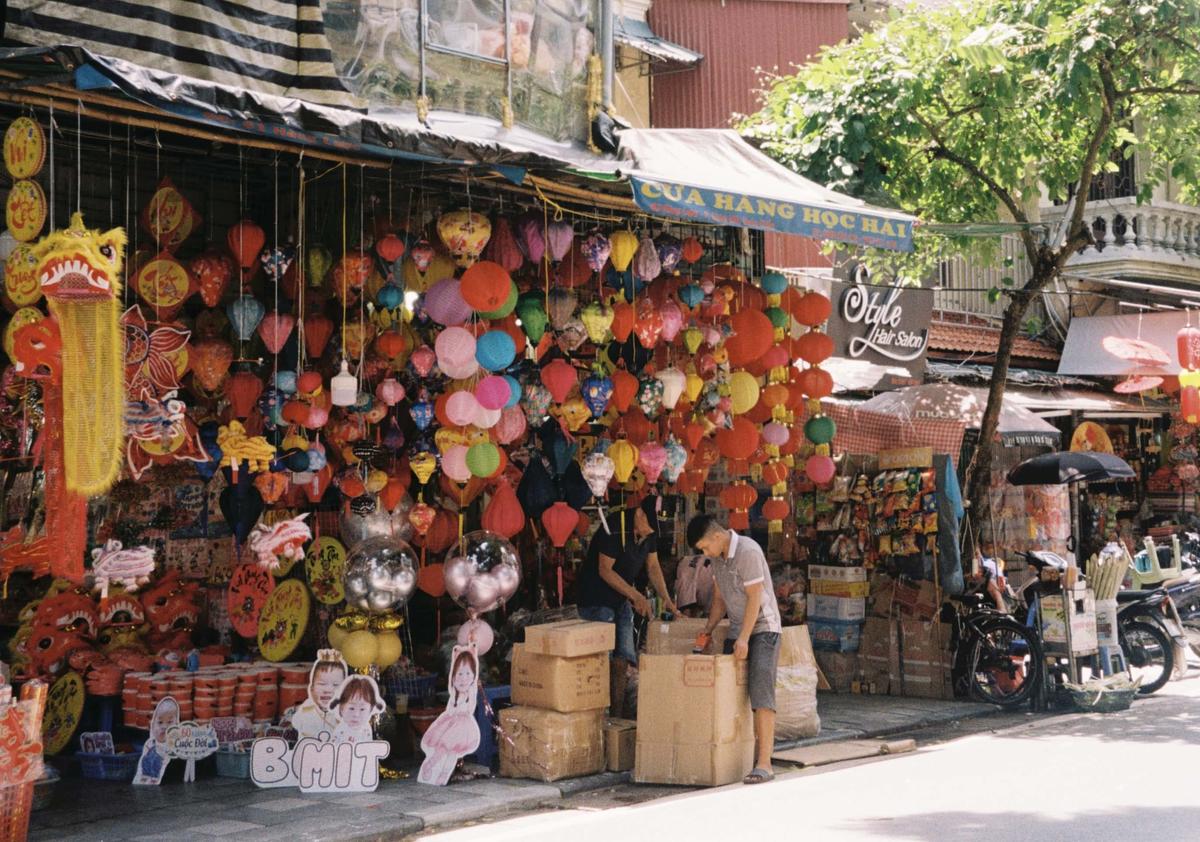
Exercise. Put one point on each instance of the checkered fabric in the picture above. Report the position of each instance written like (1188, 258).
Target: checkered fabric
(863, 432)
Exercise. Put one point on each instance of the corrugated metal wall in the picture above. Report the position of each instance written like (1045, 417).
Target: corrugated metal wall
(737, 38)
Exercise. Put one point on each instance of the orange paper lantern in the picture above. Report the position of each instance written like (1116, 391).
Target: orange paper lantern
(245, 240)
(486, 286)
(625, 388)
(560, 521)
(814, 347)
(503, 514)
(740, 441)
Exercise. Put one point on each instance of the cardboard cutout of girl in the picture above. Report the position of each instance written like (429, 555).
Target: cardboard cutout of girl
(455, 733)
(315, 716)
(154, 760)
(357, 703)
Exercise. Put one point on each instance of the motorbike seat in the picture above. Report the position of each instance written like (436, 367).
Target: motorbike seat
(1124, 597)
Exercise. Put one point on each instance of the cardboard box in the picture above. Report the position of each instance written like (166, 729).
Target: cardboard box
(547, 746)
(566, 685)
(620, 744)
(1106, 623)
(879, 653)
(836, 608)
(571, 638)
(917, 599)
(693, 699)
(926, 662)
(835, 635)
(693, 764)
(839, 668)
(833, 587)
(837, 573)
(883, 595)
(679, 636)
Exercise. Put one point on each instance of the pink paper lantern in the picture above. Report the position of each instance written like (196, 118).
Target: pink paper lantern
(485, 419)
(390, 391)
(511, 425)
(455, 347)
(493, 392)
(462, 408)
(423, 360)
(444, 303)
(776, 434)
(454, 463)
(275, 328)
(820, 469)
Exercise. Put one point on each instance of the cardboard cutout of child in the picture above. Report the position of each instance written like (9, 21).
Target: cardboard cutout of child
(315, 716)
(455, 733)
(358, 702)
(155, 758)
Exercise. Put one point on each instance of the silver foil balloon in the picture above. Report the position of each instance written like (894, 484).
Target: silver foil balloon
(356, 528)
(482, 572)
(381, 574)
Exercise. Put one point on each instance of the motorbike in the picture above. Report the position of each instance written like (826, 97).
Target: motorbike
(1175, 568)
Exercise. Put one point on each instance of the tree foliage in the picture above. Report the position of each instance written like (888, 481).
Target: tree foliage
(968, 114)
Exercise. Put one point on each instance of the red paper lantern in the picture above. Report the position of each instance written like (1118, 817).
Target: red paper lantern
(393, 493)
(753, 335)
(560, 521)
(390, 344)
(1189, 404)
(243, 389)
(318, 329)
(245, 240)
(624, 319)
(560, 378)
(390, 248)
(442, 532)
(706, 454)
(1187, 345)
(738, 498)
(814, 347)
(776, 509)
(351, 485)
(636, 426)
(502, 247)
(692, 250)
(815, 383)
(740, 441)
(811, 309)
(775, 472)
(693, 434)
(486, 286)
(503, 514)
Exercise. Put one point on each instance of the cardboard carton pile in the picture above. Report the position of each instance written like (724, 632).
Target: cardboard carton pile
(898, 657)
(560, 690)
(837, 606)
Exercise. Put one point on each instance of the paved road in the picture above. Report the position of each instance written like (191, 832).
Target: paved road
(1121, 776)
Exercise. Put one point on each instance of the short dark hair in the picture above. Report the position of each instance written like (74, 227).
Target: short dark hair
(700, 526)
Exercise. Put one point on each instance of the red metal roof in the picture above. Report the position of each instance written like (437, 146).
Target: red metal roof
(983, 341)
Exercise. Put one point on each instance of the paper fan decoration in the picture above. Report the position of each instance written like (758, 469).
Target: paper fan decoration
(1133, 385)
(1136, 351)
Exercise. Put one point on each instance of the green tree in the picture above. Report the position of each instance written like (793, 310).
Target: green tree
(967, 114)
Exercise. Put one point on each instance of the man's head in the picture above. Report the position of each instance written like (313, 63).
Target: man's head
(707, 536)
(645, 516)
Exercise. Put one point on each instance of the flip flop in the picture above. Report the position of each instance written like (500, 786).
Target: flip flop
(759, 776)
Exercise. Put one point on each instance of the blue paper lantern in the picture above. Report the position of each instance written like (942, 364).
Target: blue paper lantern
(297, 461)
(691, 295)
(774, 283)
(316, 458)
(515, 387)
(597, 391)
(422, 414)
(389, 297)
(285, 382)
(244, 314)
(495, 350)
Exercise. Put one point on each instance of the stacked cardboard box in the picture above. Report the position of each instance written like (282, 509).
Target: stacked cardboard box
(904, 657)
(694, 723)
(837, 606)
(678, 637)
(560, 689)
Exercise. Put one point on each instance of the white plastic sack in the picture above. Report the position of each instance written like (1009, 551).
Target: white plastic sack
(796, 703)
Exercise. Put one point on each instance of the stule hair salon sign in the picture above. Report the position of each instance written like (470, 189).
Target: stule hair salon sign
(883, 325)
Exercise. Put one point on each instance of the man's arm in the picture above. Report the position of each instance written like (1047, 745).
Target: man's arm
(613, 579)
(716, 612)
(754, 594)
(654, 571)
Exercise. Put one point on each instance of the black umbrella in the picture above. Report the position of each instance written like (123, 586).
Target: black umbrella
(1070, 466)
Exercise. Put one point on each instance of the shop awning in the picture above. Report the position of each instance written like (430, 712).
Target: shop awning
(1093, 347)
(637, 34)
(1051, 403)
(714, 176)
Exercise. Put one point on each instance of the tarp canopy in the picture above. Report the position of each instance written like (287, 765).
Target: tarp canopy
(714, 176)
(1117, 346)
(637, 34)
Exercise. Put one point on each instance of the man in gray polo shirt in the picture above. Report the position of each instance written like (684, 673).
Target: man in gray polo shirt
(745, 592)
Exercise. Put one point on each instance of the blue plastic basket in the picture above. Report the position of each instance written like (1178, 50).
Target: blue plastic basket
(108, 767)
(413, 686)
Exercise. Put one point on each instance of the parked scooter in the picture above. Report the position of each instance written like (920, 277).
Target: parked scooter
(1175, 568)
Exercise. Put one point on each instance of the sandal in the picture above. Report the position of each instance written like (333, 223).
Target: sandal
(759, 776)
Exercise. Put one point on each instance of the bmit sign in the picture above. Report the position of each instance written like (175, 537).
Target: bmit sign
(884, 325)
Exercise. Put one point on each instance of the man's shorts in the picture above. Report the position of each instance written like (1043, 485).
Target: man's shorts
(762, 663)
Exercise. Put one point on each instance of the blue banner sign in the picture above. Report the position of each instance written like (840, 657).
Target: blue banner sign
(716, 207)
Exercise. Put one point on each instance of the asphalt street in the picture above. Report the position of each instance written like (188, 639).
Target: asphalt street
(1128, 775)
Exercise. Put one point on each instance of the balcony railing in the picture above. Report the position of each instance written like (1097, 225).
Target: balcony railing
(965, 282)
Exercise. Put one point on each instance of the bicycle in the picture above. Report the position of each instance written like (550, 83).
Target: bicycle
(997, 660)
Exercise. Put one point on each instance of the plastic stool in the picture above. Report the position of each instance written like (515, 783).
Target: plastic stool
(1112, 660)
(485, 755)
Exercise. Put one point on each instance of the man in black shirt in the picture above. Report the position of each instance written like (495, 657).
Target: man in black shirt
(607, 591)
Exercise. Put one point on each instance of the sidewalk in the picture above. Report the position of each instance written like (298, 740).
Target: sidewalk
(216, 808)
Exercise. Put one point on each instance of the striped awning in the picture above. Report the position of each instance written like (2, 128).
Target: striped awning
(274, 47)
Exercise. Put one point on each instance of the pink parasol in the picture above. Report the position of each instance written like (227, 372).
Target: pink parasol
(1136, 351)
(1133, 385)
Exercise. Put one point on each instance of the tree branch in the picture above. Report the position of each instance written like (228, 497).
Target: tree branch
(1075, 235)
(1169, 90)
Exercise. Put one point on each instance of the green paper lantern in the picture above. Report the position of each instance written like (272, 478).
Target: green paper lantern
(778, 316)
(483, 459)
(531, 310)
(820, 429)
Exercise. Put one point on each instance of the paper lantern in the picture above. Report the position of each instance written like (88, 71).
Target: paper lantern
(390, 344)
(650, 396)
(560, 305)
(531, 237)
(820, 429)
(646, 263)
(691, 250)
(211, 271)
(444, 302)
(596, 248)
(649, 323)
(815, 383)
(737, 499)
(422, 360)
(560, 378)
(623, 321)
(598, 319)
(390, 391)
(625, 389)
(495, 351)
(531, 311)
(455, 347)
(598, 469)
(652, 458)
(485, 286)
(814, 347)
(1189, 404)
(775, 472)
(774, 283)
(318, 329)
(560, 521)
(243, 389)
(672, 320)
(511, 426)
(820, 469)
(245, 240)
(624, 457)
(502, 247)
(812, 309)
(483, 459)
(775, 434)
(244, 314)
(691, 295)
(674, 382)
(454, 463)
(462, 408)
(623, 246)
(1187, 345)
(752, 336)
(492, 392)
(559, 236)
(677, 457)
(596, 391)
(464, 233)
(351, 273)
(743, 392)
(209, 360)
(503, 514)
(390, 248)
(739, 441)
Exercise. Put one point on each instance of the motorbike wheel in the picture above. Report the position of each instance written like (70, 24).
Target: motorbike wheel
(1149, 654)
(1005, 664)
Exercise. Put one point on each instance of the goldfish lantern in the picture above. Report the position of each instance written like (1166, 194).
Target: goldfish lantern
(275, 328)
(390, 248)
(738, 498)
(752, 336)
(597, 247)
(455, 348)
(814, 347)
(820, 429)
(624, 457)
(244, 314)
(625, 389)
(483, 459)
(444, 301)
(623, 246)
(502, 248)
(598, 470)
(245, 240)
(211, 271)
(820, 469)
(531, 310)
(561, 305)
(597, 318)
(560, 521)
(495, 350)
(677, 457)
(485, 286)
(503, 514)
(464, 233)
(209, 360)
(318, 329)
(559, 236)
(597, 391)
(652, 458)
(743, 392)
(560, 378)
(691, 250)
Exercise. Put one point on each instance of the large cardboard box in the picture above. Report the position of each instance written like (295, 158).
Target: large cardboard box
(839, 668)
(879, 653)
(837, 573)
(694, 721)
(835, 608)
(620, 744)
(926, 662)
(570, 638)
(678, 636)
(566, 685)
(547, 746)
